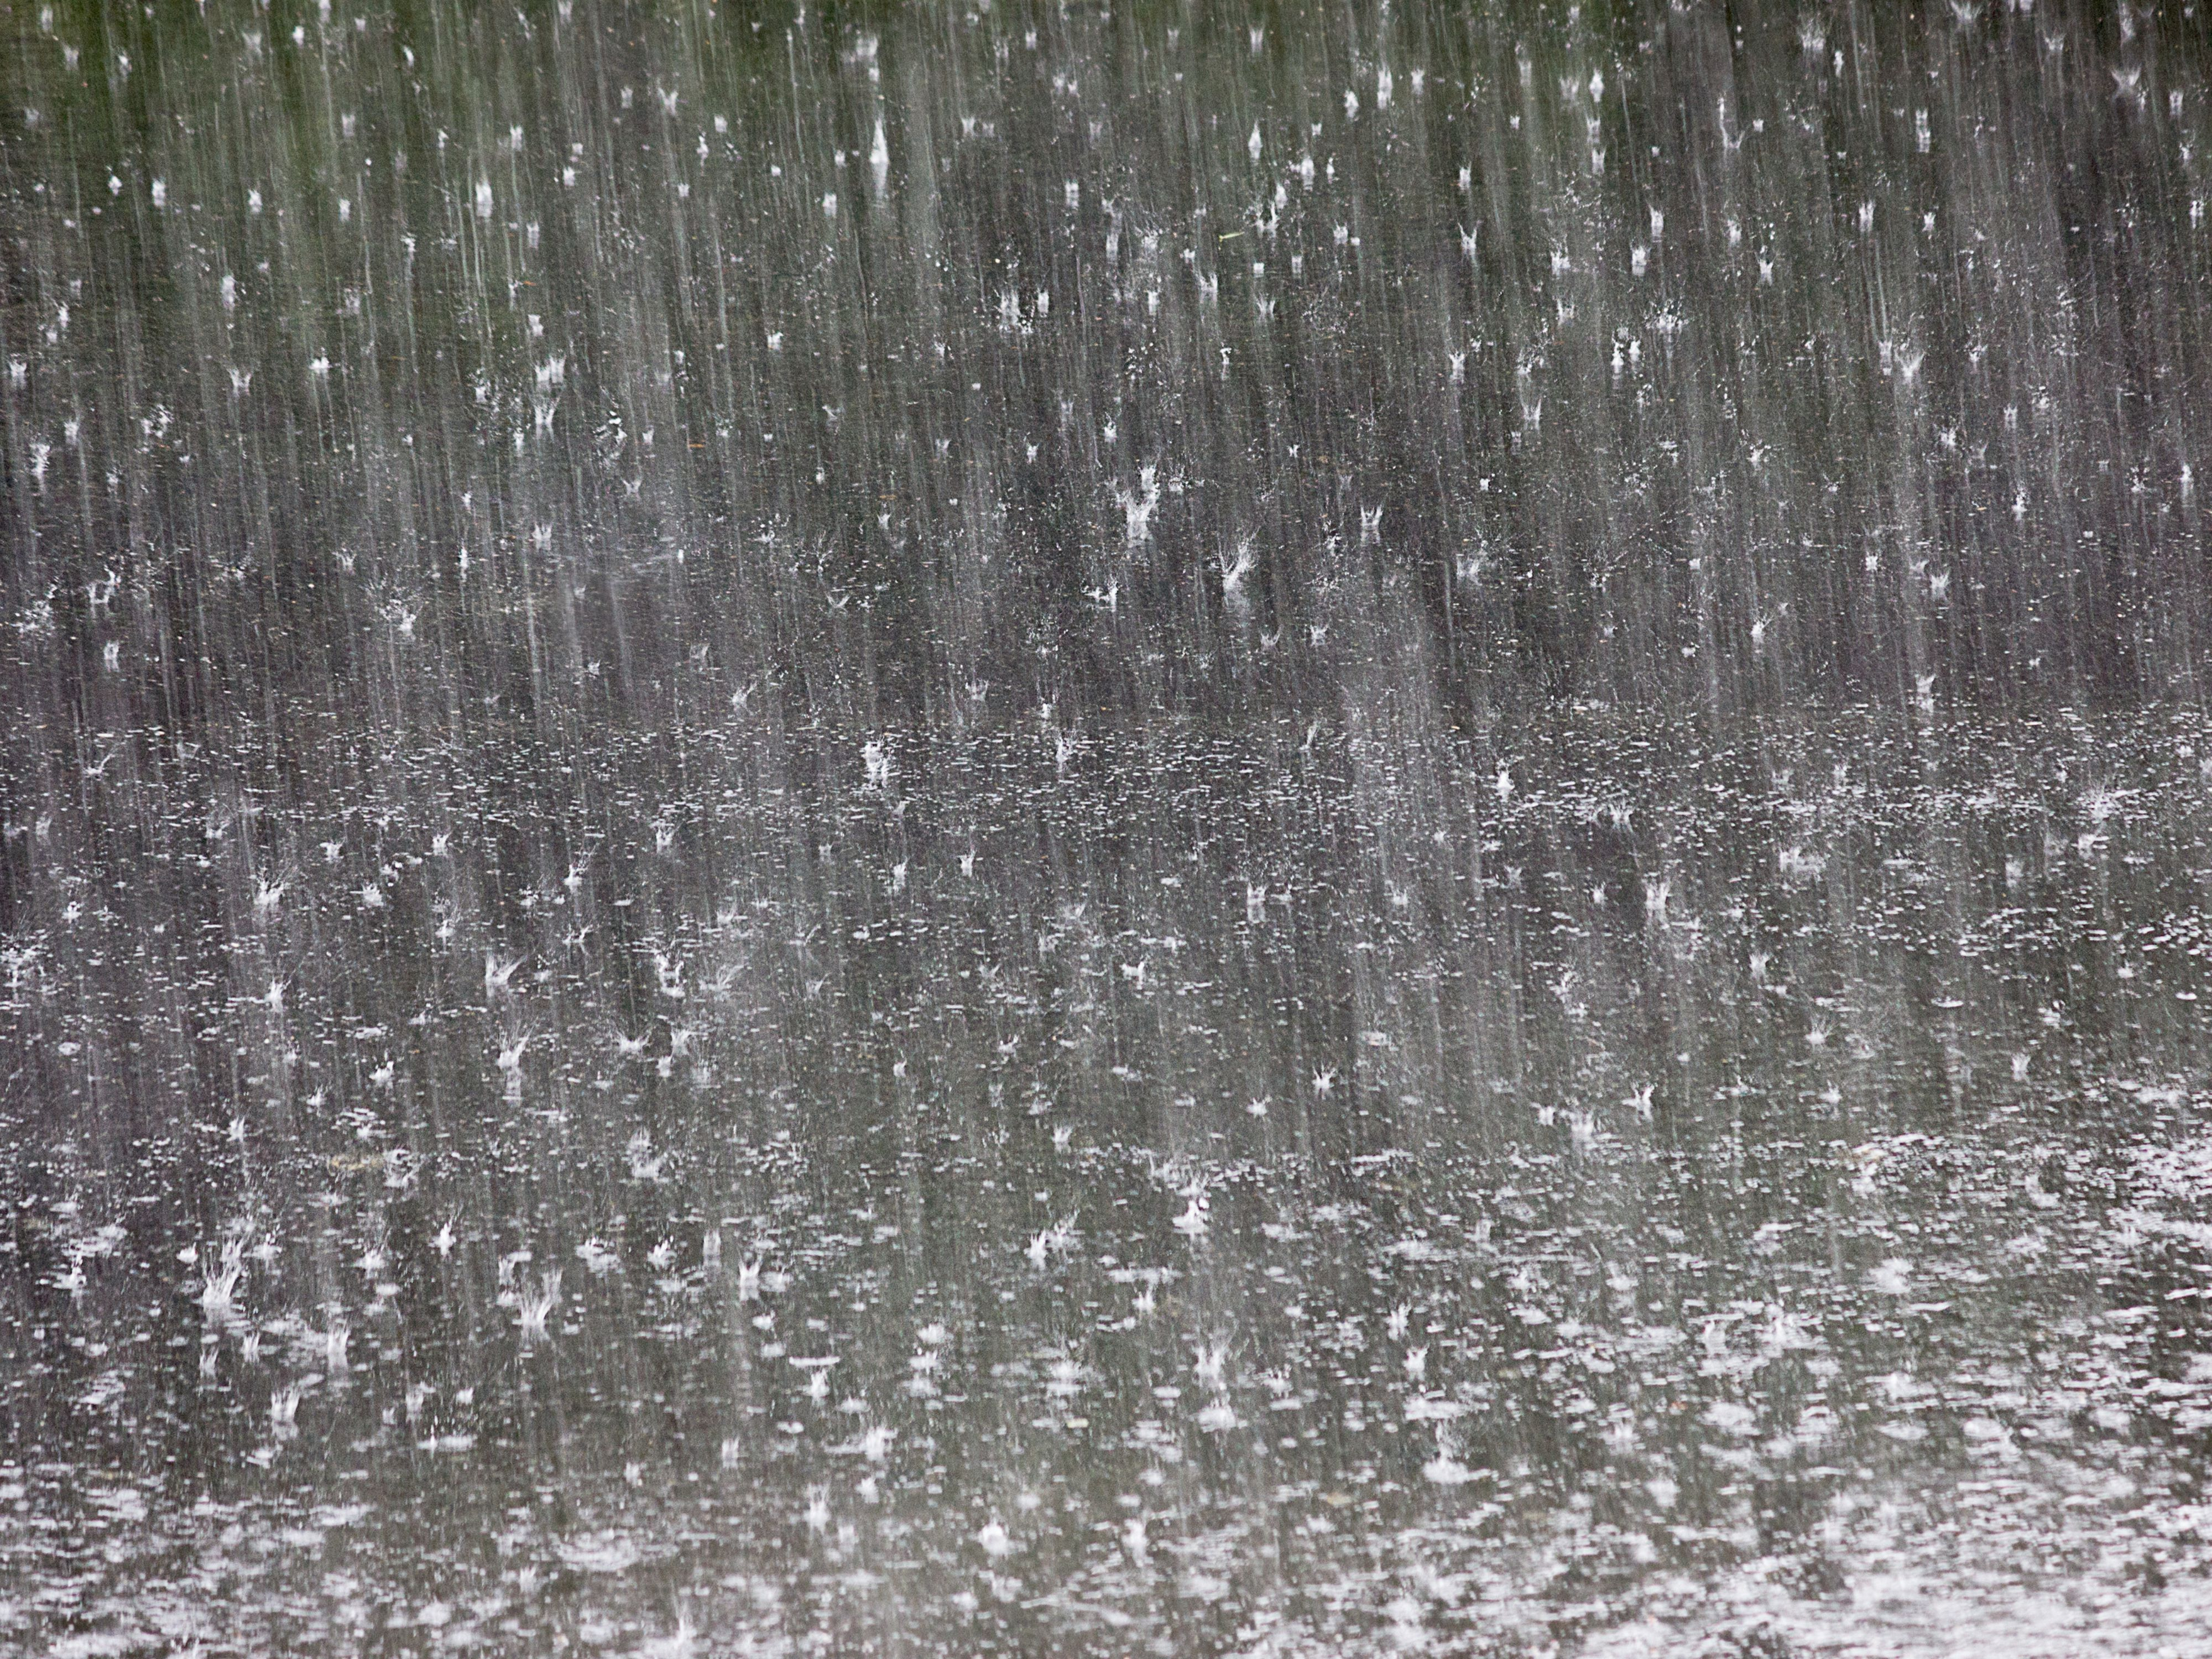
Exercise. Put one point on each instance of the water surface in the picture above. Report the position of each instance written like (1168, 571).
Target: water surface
(1263, 831)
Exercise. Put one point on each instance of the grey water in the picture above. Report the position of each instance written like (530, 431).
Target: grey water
(1264, 829)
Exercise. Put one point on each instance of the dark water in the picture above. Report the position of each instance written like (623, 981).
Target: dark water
(1070, 829)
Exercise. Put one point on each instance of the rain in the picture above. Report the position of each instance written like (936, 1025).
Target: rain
(1056, 827)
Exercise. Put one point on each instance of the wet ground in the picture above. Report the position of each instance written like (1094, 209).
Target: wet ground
(1104, 831)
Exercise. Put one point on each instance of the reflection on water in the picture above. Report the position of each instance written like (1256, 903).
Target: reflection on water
(1103, 830)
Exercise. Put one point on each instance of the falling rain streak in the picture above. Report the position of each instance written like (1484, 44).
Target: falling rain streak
(1069, 828)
